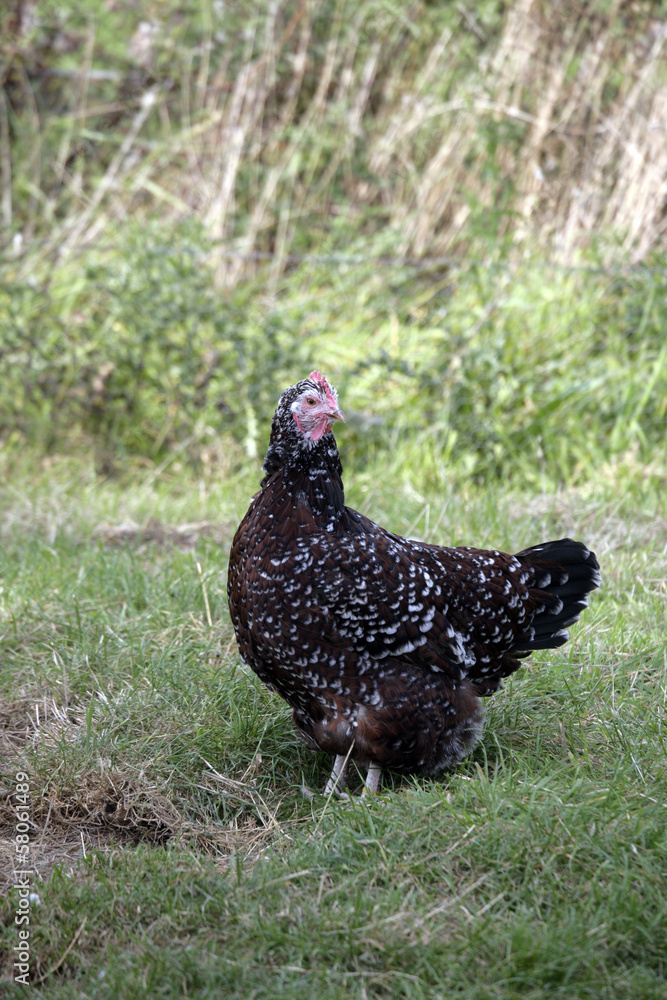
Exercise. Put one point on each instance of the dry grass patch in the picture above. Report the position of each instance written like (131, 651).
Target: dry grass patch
(268, 128)
(156, 532)
(62, 846)
(104, 809)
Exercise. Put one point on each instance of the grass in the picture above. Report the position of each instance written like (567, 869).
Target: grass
(174, 850)
(480, 371)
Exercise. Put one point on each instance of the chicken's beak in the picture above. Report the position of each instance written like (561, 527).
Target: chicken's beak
(337, 414)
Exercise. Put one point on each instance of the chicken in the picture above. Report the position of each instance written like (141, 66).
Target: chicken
(383, 646)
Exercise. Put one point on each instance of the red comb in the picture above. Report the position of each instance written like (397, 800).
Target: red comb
(328, 390)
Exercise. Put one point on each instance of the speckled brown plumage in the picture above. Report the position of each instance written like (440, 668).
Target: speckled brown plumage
(382, 645)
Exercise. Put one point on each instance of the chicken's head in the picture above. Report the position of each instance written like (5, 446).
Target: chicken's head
(315, 407)
(305, 413)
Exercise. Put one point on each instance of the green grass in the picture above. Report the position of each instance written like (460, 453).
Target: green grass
(525, 372)
(537, 867)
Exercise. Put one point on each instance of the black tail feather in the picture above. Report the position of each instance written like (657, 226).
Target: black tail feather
(563, 573)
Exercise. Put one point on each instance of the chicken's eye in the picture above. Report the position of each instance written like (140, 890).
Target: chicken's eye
(311, 400)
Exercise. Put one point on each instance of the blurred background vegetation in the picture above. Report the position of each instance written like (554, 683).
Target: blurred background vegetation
(458, 211)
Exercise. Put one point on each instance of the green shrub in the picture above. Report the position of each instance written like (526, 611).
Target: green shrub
(488, 370)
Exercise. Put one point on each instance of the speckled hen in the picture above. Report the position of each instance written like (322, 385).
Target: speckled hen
(383, 646)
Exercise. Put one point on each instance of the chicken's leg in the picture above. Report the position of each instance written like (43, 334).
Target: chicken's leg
(372, 779)
(338, 780)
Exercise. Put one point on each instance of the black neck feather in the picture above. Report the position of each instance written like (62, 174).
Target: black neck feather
(314, 474)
